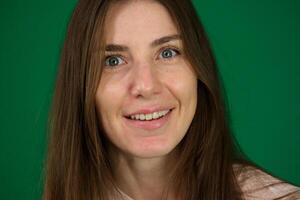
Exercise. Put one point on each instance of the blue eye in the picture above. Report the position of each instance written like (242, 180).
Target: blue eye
(113, 61)
(168, 53)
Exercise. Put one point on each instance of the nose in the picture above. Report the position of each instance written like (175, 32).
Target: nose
(145, 81)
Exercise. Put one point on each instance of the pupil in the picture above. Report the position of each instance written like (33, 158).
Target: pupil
(113, 61)
(167, 53)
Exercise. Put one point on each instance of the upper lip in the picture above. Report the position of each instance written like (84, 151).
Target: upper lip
(148, 110)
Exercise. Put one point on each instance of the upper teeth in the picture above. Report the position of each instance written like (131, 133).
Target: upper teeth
(149, 116)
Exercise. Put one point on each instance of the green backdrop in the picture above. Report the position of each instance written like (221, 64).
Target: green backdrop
(256, 44)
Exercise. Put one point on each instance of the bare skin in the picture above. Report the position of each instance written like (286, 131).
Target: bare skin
(145, 178)
(145, 73)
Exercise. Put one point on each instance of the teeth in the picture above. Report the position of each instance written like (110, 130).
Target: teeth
(150, 116)
(155, 115)
(142, 117)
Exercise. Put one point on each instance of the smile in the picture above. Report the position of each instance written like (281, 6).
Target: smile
(149, 116)
(149, 121)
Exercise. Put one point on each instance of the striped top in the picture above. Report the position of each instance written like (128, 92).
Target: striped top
(256, 185)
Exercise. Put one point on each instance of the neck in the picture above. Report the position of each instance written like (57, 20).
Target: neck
(143, 178)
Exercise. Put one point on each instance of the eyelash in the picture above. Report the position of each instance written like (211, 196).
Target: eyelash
(113, 56)
(174, 49)
(118, 56)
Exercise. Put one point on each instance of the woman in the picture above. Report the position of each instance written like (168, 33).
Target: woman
(138, 112)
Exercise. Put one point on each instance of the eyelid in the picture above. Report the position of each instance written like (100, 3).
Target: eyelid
(171, 47)
(109, 55)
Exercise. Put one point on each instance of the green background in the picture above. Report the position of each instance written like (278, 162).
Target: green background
(256, 44)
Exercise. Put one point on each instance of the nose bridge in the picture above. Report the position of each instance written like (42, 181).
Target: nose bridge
(145, 79)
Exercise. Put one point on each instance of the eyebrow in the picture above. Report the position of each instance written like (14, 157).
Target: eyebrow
(157, 42)
(165, 39)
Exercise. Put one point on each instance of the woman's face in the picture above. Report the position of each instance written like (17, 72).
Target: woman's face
(147, 95)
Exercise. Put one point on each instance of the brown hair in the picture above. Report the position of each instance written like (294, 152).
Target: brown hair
(78, 166)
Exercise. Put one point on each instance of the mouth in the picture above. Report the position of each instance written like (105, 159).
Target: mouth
(149, 116)
(149, 121)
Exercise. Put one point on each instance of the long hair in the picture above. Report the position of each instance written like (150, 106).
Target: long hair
(77, 164)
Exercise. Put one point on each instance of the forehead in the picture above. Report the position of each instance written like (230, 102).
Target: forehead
(138, 21)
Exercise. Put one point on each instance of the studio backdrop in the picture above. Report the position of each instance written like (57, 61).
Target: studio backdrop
(257, 48)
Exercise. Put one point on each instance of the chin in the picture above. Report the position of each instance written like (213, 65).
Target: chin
(152, 151)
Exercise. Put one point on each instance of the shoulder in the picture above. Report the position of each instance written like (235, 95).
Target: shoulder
(257, 184)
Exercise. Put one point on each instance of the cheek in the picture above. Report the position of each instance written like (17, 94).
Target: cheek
(182, 83)
(183, 86)
(109, 95)
(108, 102)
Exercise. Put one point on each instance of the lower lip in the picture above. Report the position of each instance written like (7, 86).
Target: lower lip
(149, 125)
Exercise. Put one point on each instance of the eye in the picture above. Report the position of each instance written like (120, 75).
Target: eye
(168, 53)
(113, 61)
